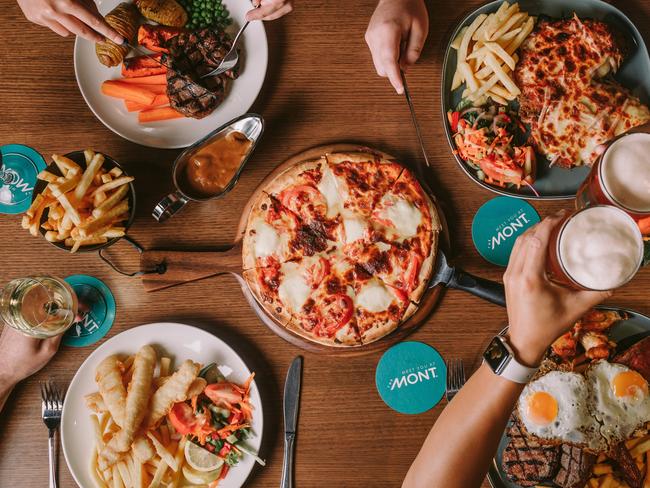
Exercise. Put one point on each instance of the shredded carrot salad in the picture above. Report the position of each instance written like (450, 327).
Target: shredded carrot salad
(487, 139)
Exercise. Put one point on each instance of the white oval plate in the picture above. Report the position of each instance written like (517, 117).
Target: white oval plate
(176, 133)
(178, 341)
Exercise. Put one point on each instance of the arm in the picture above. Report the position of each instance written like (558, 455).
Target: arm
(20, 357)
(65, 17)
(539, 311)
(395, 36)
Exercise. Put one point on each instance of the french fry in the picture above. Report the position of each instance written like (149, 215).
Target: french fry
(88, 175)
(91, 226)
(491, 61)
(46, 176)
(98, 199)
(65, 164)
(111, 201)
(602, 468)
(94, 472)
(53, 236)
(122, 180)
(37, 202)
(158, 475)
(68, 184)
(115, 172)
(114, 232)
(641, 448)
(106, 177)
(164, 366)
(117, 479)
(163, 453)
(468, 76)
(25, 222)
(69, 209)
(501, 53)
(89, 154)
(124, 473)
(179, 458)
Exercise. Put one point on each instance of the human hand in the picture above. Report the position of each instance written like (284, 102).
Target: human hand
(539, 311)
(395, 36)
(22, 356)
(269, 9)
(65, 17)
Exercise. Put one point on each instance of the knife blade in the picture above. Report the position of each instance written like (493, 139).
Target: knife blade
(142, 52)
(291, 407)
(407, 94)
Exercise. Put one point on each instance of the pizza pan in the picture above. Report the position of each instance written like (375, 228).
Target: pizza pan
(165, 268)
(626, 333)
(554, 183)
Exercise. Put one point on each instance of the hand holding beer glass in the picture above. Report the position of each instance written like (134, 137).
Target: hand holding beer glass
(600, 246)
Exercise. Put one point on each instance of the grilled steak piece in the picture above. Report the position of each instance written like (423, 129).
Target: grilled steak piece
(626, 464)
(575, 467)
(637, 357)
(525, 461)
(191, 55)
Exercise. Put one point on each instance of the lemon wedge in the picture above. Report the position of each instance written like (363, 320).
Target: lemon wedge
(201, 459)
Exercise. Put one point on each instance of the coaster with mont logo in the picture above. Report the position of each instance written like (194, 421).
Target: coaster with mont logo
(96, 311)
(498, 223)
(411, 377)
(19, 166)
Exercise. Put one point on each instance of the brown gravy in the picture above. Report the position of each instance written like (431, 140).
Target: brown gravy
(209, 170)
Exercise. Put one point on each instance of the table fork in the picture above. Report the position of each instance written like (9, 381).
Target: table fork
(51, 408)
(455, 377)
(231, 59)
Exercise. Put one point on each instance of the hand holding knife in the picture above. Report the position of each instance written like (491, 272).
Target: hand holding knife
(291, 407)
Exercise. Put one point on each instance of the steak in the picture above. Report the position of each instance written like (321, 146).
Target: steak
(525, 461)
(637, 357)
(575, 467)
(191, 55)
(627, 465)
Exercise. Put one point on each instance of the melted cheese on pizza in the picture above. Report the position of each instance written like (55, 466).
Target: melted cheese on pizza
(355, 229)
(328, 187)
(374, 296)
(403, 217)
(570, 109)
(267, 240)
(294, 289)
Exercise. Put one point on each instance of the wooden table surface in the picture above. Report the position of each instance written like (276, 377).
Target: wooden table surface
(320, 88)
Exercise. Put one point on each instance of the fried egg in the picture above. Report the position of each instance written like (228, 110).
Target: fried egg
(620, 399)
(554, 407)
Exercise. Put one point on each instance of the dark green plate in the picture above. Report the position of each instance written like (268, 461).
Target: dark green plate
(625, 333)
(555, 183)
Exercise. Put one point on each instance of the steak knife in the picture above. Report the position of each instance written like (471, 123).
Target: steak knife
(407, 94)
(291, 404)
(142, 52)
(452, 277)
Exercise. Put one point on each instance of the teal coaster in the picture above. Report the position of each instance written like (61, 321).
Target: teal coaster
(411, 377)
(498, 223)
(18, 170)
(97, 311)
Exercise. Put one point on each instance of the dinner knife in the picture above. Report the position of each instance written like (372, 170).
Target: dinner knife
(407, 94)
(142, 52)
(291, 404)
(452, 277)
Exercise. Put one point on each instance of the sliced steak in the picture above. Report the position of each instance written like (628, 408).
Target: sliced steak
(525, 461)
(575, 467)
(637, 357)
(191, 55)
(627, 465)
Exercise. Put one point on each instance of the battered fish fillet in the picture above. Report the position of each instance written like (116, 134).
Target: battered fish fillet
(109, 379)
(173, 391)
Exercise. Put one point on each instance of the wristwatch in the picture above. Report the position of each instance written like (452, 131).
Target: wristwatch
(501, 359)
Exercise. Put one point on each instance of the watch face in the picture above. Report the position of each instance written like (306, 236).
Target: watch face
(496, 355)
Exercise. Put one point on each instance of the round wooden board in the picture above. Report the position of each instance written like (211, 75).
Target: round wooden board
(427, 303)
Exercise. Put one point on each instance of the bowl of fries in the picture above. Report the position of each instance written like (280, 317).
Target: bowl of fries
(83, 201)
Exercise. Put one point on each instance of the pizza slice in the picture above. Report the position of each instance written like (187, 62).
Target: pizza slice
(405, 215)
(308, 298)
(360, 181)
(274, 235)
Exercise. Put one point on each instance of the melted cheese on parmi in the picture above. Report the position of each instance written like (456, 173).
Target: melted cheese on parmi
(294, 289)
(355, 229)
(404, 216)
(374, 297)
(267, 240)
(327, 186)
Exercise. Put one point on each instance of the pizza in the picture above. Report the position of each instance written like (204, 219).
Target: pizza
(339, 249)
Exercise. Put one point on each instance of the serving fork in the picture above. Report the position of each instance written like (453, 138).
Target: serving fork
(51, 408)
(455, 377)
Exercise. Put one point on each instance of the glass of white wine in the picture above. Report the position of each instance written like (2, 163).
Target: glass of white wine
(38, 306)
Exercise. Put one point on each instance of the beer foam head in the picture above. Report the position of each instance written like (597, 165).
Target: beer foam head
(625, 172)
(601, 247)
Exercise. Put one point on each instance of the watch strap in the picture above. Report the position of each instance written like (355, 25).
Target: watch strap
(512, 369)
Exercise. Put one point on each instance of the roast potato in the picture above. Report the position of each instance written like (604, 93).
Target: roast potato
(124, 19)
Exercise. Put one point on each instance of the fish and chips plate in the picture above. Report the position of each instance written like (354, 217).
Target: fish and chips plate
(162, 405)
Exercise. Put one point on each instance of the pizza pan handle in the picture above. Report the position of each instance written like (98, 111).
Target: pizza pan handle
(178, 267)
(492, 291)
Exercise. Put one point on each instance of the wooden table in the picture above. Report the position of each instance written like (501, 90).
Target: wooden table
(320, 88)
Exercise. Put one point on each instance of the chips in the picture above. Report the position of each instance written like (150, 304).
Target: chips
(606, 472)
(84, 207)
(486, 55)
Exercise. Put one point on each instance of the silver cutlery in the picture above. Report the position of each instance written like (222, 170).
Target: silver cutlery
(455, 377)
(291, 406)
(51, 408)
(407, 94)
(231, 59)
